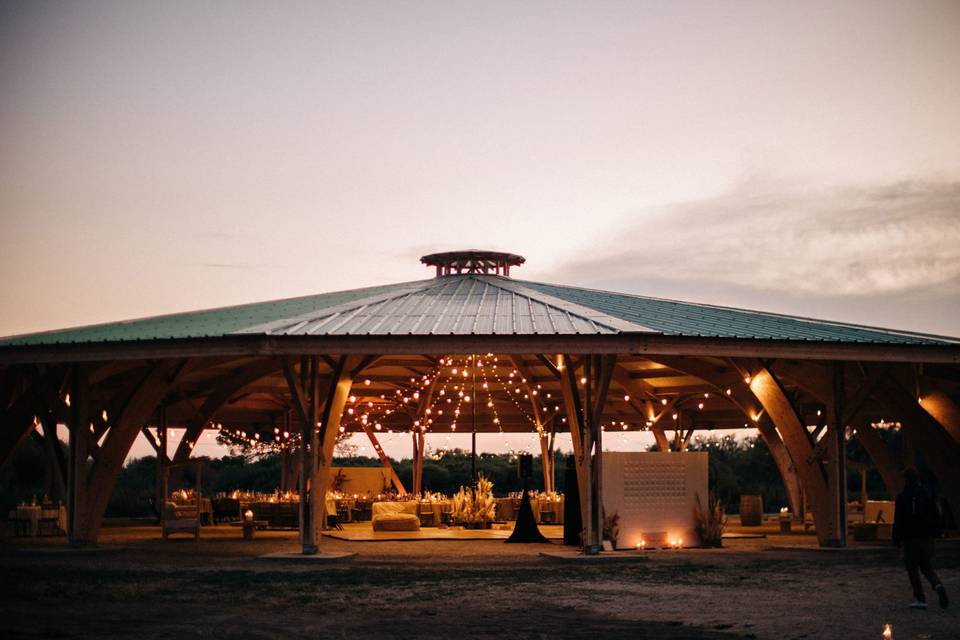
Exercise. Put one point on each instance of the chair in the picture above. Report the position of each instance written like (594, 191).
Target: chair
(183, 518)
(50, 516)
(333, 519)
(226, 510)
(547, 513)
(427, 515)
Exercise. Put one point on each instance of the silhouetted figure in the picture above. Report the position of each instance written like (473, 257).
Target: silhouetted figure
(917, 521)
(572, 522)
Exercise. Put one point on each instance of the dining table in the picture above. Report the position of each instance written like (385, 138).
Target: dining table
(30, 517)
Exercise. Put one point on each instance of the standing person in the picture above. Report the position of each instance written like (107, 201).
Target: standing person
(916, 522)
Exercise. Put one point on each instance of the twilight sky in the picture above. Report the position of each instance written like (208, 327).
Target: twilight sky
(166, 156)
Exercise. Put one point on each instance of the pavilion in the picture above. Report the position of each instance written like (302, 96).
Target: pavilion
(573, 360)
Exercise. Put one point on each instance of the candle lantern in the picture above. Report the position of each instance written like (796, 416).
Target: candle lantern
(249, 527)
(887, 632)
(785, 520)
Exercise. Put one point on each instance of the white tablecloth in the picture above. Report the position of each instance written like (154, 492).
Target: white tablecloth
(33, 514)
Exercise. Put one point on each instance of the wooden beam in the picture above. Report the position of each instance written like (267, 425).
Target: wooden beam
(636, 387)
(623, 343)
(866, 390)
(385, 461)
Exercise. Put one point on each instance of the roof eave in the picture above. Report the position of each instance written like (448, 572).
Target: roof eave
(623, 343)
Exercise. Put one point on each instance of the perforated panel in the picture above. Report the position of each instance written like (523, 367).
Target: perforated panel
(654, 494)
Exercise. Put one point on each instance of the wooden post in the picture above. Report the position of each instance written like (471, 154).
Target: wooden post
(313, 519)
(598, 384)
(584, 416)
(590, 546)
(336, 401)
(307, 422)
(836, 463)
(77, 464)
(573, 405)
(162, 460)
(51, 446)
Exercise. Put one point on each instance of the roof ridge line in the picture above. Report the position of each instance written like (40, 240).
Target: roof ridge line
(316, 314)
(587, 313)
(175, 314)
(815, 321)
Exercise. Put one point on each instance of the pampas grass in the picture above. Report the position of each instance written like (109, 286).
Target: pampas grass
(710, 522)
(475, 506)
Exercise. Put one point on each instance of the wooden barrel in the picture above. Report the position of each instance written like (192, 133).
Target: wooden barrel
(751, 511)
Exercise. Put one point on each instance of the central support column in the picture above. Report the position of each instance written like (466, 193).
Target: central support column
(584, 413)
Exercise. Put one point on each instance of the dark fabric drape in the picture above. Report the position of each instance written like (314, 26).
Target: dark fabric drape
(526, 529)
(572, 522)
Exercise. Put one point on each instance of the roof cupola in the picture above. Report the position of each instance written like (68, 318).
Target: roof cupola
(472, 261)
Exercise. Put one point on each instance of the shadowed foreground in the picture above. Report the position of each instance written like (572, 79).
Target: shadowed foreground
(137, 586)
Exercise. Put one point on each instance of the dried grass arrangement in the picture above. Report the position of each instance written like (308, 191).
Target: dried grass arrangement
(475, 507)
(710, 522)
(611, 527)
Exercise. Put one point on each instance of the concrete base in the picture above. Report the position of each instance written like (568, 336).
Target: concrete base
(605, 557)
(308, 557)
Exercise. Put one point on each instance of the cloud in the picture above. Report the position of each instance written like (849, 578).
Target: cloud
(853, 241)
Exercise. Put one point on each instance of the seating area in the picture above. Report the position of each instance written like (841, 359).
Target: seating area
(396, 516)
(183, 510)
(46, 518)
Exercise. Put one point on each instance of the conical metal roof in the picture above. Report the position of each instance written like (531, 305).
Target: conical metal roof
(472, 304)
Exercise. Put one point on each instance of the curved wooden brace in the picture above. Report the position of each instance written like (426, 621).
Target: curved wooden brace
(941, 452)
(771, 395)
(884, 461)
(225, 390)
(944, 410)
(811, 377)
(723, 378)
(97, 486)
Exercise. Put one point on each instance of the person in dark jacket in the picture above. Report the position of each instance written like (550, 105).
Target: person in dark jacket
(916, 523)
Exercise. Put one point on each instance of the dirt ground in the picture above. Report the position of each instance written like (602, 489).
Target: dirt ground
(135, 586)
